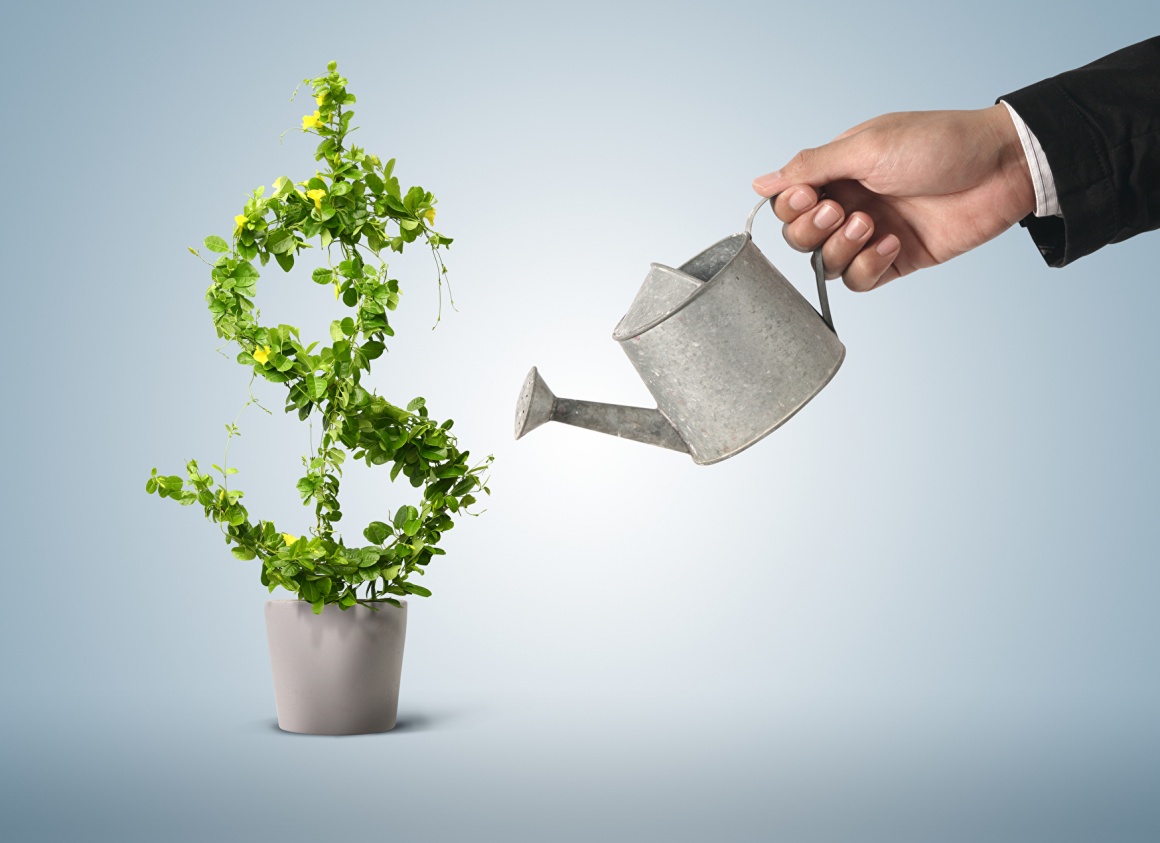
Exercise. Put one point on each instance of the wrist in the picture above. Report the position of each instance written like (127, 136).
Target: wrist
(1011, 158)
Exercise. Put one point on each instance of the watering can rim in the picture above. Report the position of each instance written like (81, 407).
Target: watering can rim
(620, 333)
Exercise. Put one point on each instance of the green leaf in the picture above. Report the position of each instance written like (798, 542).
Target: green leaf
(281, 362)
(215, 244)
(322, 276)
(243, 553)
(315, 386)
(285, 261)
(244, 269)
(417, 590)
(377, 532)
(415, 404)
(280, 242)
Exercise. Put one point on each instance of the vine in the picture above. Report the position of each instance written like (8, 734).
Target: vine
(354, 207)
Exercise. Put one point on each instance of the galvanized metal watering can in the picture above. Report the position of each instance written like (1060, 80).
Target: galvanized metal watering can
(725, 344)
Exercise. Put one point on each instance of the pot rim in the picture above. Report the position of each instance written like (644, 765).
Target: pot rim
(285, 601)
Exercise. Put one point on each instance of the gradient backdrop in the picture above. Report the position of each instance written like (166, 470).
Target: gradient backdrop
(926, 609)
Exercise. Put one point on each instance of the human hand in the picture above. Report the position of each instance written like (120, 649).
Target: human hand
(903, 192)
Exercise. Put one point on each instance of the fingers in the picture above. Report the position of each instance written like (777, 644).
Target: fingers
(807, 222)
(794, 202)
(849, 247)
(874, 265)
(843, 246)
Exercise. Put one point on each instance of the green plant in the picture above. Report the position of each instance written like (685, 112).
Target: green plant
(356, 207)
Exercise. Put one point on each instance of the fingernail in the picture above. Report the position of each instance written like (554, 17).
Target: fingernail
(889, 244)
(856, 229)
(764, 184)
(800, 200)
(826, 216)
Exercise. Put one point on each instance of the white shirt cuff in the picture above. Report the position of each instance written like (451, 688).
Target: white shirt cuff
(1046, 200)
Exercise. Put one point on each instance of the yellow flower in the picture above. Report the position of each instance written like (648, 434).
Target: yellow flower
(320, 99)
(312, 121)
(316, 195)
(239, 221)
(289, 539)
(430, 216)
(262, 354)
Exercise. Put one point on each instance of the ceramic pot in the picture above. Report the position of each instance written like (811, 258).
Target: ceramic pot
(336, 673)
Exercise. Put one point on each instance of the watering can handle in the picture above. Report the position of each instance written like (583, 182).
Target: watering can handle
(815, 262)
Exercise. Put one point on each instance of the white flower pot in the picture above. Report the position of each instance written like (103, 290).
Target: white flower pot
(336, 673)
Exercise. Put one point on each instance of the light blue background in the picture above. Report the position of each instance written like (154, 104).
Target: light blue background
(926, 609)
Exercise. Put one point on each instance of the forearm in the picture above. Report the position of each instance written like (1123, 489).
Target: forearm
(1099, 127)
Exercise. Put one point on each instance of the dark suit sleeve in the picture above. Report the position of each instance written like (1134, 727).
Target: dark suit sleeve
(1099, 127)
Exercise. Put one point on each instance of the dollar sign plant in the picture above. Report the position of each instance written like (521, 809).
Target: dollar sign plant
(355, 209)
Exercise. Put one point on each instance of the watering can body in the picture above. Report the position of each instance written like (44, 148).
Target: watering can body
(729, 349)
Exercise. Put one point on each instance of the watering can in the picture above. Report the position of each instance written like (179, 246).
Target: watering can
(729, 349)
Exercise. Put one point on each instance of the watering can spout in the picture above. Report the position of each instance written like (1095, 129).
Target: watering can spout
(537, 404)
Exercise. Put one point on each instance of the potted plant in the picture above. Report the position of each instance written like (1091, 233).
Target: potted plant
(336, 649)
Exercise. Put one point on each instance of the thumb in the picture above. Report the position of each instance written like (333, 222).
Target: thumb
(837, 160)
